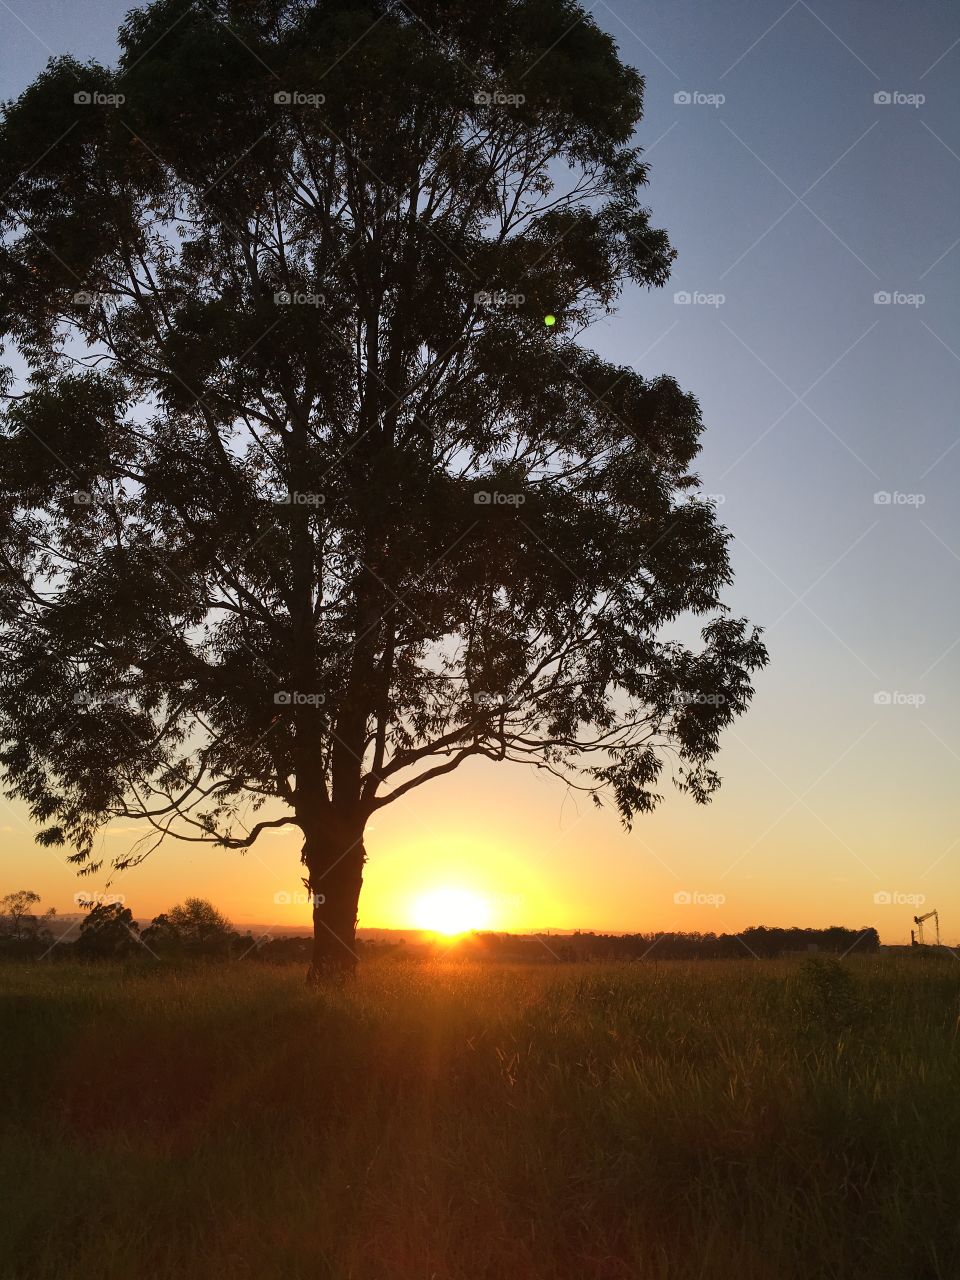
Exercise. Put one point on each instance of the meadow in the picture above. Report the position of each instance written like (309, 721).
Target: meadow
(452, 1121)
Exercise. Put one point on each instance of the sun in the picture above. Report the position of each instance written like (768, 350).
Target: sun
(451, 911)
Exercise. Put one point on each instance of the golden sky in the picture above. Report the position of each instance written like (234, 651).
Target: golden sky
(816, 401)
(540, 857)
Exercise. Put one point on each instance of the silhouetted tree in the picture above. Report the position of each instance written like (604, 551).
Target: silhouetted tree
(109, 932)
(194, 927)
(22, 932)
(161, 938)
(312, 493)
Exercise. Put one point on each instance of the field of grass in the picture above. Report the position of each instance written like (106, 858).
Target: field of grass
(763, 1121)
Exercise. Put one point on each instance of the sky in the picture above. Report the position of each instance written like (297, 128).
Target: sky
(805, 161)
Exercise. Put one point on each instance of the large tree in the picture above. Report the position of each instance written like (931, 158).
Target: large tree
(311, 489)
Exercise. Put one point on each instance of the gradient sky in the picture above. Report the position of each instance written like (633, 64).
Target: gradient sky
(796, 199)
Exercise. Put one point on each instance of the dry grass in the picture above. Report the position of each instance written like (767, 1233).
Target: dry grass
(759, 1121)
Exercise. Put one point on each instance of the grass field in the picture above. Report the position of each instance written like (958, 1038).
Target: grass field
(764, 1121)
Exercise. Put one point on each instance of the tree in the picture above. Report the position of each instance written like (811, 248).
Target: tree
(109, 932)
(313, 492)
(194, 927)
(161, 938)
(21, 931)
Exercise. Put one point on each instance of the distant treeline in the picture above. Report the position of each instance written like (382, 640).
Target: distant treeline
(756, 942)
(195, 928)
(109, 932)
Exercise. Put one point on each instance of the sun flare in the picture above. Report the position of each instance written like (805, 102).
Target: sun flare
(451, 911)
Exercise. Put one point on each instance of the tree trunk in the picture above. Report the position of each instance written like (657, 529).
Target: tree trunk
(334, 855)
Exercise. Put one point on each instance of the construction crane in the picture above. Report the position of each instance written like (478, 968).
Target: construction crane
(916, 939)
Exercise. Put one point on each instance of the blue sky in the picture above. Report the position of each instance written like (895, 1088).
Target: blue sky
(794, 197)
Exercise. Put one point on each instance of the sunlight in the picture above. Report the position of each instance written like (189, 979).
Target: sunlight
(451, 911)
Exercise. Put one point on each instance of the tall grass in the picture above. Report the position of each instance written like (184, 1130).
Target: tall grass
(764, 1121)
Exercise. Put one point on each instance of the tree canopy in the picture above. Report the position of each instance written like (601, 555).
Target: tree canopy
(192, 927)
(302, 501)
